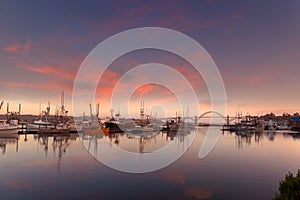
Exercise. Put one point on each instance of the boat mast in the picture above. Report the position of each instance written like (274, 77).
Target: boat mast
(7, 111)
(47, 112)
(91, 113)
(2, 102)
(62, 105)
(97, 110)
(142, 113)
(19, 111)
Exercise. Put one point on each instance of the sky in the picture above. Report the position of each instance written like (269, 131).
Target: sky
(254, 44)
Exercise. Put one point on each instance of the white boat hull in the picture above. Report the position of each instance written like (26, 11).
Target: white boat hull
(35, 127)
(9, 130)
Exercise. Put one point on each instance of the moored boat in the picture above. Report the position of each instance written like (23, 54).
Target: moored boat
(58, 129)
(38, 124)
(10, 127)
(114, 126)
(295, 124)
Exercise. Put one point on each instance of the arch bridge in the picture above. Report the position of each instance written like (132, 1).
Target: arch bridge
(226, 119)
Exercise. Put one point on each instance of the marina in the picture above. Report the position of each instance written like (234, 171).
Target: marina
(69, 147)
(110, 125)
(149, 100)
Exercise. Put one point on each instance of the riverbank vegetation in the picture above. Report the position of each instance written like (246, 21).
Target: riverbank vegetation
(289, 188)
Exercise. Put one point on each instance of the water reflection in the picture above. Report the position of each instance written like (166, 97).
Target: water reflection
(246, 138)
(233, 170)
(8, 139)
(58, 144)
(139, 143)
(139, 152)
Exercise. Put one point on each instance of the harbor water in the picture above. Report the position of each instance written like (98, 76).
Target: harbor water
(61, 167)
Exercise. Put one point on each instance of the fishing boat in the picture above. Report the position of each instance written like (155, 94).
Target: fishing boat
(75, 127)
(140, 129)
(93, 128)
(58, 129)
(171, 125)
(282, 126)
(37, 124)
(10, 127)
(42, 122)
(114, 126)
(270, 125)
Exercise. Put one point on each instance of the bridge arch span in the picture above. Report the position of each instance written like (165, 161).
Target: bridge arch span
(212, 112)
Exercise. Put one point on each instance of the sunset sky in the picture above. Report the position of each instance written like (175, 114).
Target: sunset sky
(255, 44)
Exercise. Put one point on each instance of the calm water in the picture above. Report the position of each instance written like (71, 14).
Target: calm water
(33, 167)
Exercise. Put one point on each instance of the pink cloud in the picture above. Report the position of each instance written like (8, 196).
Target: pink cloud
(42, 70)
(50, 70)
(44, 86)
(18, 48)
(152, 92)
(145, 89)
(107, 83)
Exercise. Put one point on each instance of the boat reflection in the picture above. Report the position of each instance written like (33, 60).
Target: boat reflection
(8, 140)
(49, 162)
(245, 138)
(59, 144)
(138, 142)
(143, 142)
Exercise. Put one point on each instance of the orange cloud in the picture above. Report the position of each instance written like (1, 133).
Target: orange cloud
(153, 91)
(51, 70)
(18, 48)
(154, 94)
(107, 83)
(145, 89)
(44, 86)
(42, 70)
(191, 75)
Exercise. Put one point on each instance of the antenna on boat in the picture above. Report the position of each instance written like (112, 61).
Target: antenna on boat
(7, 111)
(118, 113)
(63, 103)
(2, 102)
(19, 111)
(91, 112)
(187, 113)
(48, 108)
(112, 113)
(142, 114)
(97, 110)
